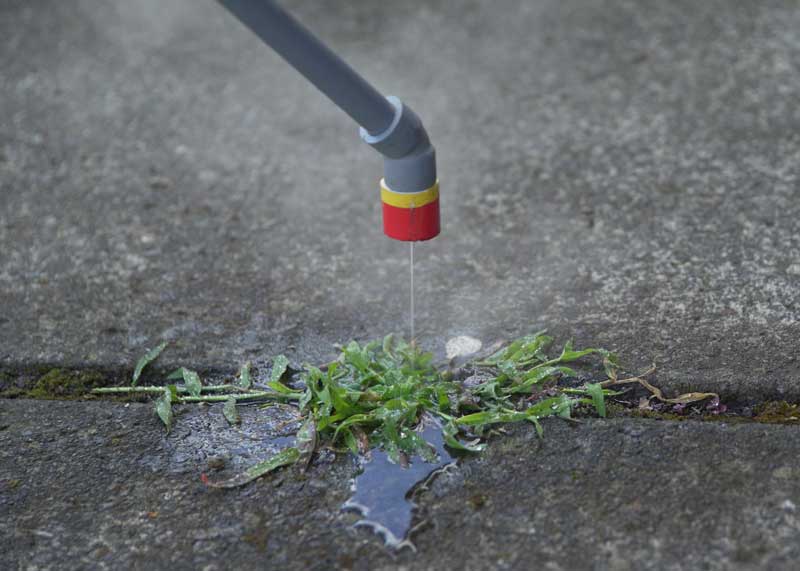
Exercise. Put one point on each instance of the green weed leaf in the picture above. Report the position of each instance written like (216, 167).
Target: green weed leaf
(450, 432)
(279, 366)
(244, 376)
(164, 408)
(176, 374)
(192, 382)
(149, 357)
(568, 355)
(380, 393)
(285, 457)
(598, 399)
(282, 389)
(306, 441)
(538, 426)
(230, 412)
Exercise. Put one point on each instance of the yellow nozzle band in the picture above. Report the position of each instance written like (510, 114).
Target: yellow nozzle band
(409, 199)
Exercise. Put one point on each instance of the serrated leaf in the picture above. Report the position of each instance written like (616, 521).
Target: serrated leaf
(279, 366)
(149, 357)
(285, 457)
(164, 409)
(192, 382)
(230, 412)
(244, 376)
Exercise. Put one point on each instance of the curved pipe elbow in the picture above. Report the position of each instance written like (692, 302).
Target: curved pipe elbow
(409, 189)
(409, 156)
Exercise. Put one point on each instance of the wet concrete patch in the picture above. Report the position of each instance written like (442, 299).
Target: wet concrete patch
(203, 439)
(619, 493)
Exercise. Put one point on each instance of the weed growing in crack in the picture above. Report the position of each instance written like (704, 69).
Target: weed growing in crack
(377, 395)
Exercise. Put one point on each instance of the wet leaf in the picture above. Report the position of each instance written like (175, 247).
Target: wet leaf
(176, 374)
(149, 357)
(285, 457)
(307, 437)
(192, 382)
(536, 377)
(164, 408)
(244, 376)
(388, 343)
(568, 355)
(306, 441)
(279, 366)
(282, 389)
(595, 390)
(450, 432)
(230, 412)
(350, 441)
(538, 426)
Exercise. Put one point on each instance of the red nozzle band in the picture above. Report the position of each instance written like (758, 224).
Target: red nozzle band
(410, 216)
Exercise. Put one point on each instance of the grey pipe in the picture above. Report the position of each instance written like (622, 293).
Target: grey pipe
(391, 127)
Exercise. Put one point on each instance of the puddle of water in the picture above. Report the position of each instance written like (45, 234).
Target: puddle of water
(382, 490)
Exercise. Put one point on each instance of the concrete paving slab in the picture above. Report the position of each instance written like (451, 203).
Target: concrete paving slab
(621, 172)
(100, 486)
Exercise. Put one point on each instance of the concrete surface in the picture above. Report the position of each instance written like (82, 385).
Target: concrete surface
(100, 486)
(624, 172)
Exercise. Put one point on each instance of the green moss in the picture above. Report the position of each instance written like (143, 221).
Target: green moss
(258, 538)
(65, 384)
(617, 410)
(13, 392)
(640, 413)
(477, 501)
(777, 412)
(9, 388)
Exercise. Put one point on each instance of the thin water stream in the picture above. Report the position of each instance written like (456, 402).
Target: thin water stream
(411, 266)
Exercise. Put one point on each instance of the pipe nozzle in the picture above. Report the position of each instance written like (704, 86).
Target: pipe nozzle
(410, 188)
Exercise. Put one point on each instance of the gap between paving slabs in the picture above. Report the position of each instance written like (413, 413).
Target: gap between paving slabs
(376, 395)
(406, 419)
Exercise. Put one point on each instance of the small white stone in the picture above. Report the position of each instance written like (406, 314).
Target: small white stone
(789, 506)
(461, 346)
